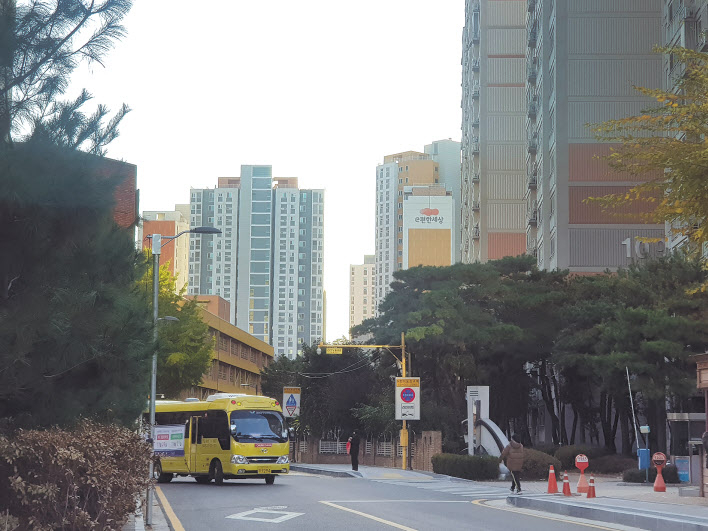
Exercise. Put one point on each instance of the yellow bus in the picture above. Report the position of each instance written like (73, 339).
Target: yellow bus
(227, 436)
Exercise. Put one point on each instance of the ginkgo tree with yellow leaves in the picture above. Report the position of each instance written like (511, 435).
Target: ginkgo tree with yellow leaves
(668, 146)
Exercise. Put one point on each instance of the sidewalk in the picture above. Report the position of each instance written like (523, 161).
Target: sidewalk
(136, 522)
(616, 502)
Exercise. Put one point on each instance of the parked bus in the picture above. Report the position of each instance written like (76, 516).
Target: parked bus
(228, 436)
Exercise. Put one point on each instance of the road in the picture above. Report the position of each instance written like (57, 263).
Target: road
(302, 501)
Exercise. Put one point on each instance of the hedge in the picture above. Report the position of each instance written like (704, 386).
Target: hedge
(466, 466)
(634, 475)
(566, 454)
(537, 464)
(611, 464)
(85, 478)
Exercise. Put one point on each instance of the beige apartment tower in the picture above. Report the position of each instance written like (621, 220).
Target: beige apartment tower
(362, 288)
(493, 220)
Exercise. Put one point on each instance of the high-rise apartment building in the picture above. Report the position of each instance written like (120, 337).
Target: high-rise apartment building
(493, 211)
(175, 253)
(447, 153)
(268, 261)
(583, 59)
(409, 189)
(685, 24)
(362, 289)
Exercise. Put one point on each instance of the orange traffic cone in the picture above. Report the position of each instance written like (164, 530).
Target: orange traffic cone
(566, 485)
(552, 485)
(582, 483)
(591, 488)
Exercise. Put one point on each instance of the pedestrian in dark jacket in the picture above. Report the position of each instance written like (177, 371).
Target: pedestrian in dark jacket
(354, 450)
(513, 457)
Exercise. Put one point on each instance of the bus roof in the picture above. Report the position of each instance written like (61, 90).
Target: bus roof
(228, 404)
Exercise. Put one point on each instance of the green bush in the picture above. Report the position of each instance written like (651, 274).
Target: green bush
(634, 475)
(537, 464)
(466, 466)
(549, 449)
(85, 478)
(611, 464)
(566, 454)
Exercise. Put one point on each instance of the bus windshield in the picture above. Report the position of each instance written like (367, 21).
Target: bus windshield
(258, 426)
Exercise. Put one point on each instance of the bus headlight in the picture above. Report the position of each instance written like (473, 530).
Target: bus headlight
(282, 460)
(239, 460)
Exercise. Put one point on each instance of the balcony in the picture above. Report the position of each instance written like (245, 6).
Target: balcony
(475, 232)
(475, 122)
(475, 178)
(475, 90)
(530, 5)
(532, 250)
(474, 145)
(532, 146)
(533, 37)
(475, 206)
(702, 44)
(532, 180)
(531, 109)
(475, 65)
(531, 71)
(532, 215)
(475, 36)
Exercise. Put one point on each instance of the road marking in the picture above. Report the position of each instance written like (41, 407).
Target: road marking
(246, 515)
(482, 503)
(370, 516)
(171, 516)
(398, 501)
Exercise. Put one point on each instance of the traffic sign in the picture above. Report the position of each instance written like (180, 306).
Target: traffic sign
(581, 462)
(333, 350)
(659, 459)
(407, 398)
(291, 402)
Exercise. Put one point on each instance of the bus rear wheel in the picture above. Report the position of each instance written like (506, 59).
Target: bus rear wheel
(217, 472)
(269, 480)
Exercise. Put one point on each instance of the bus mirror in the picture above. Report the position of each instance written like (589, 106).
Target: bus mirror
(233, 429)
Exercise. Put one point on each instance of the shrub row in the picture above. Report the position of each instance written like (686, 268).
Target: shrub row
(537, 464)
(466, 466)
(611, 464)
(566, 454)
(85, 478)
(634, 475)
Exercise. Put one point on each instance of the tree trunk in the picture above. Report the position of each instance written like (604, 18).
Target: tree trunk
(575, 426)
(7, 29)
(625, 432)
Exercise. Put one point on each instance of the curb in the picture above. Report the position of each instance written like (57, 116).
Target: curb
(324, 472)
(612, 515)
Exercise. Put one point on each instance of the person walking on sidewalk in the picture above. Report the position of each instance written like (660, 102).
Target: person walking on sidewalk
(354, 450)
(513, 457)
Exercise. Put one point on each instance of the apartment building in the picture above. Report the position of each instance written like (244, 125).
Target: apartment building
(268, 262)
(493, 221)
(175, 253)
(583, 59)
(362, 289)
(434, 173)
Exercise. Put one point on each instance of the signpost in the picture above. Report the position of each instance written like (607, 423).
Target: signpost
(581, 463)
(659, 460)
(407, 399)
(291, 402)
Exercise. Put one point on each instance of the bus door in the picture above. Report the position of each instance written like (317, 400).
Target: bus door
(194, 440)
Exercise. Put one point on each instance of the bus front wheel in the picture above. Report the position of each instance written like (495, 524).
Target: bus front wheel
(217, 472)
(270, 480)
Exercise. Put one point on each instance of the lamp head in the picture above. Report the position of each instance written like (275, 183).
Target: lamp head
(205, 230)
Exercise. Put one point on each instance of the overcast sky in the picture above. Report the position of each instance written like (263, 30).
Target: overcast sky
(319, 89)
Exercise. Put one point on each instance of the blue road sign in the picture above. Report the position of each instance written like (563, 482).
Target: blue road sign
(291, 401)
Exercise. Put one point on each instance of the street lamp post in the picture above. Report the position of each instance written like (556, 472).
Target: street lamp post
(402, 361)
(156, 251)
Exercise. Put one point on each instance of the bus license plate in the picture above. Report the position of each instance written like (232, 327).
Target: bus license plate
(263, 470)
